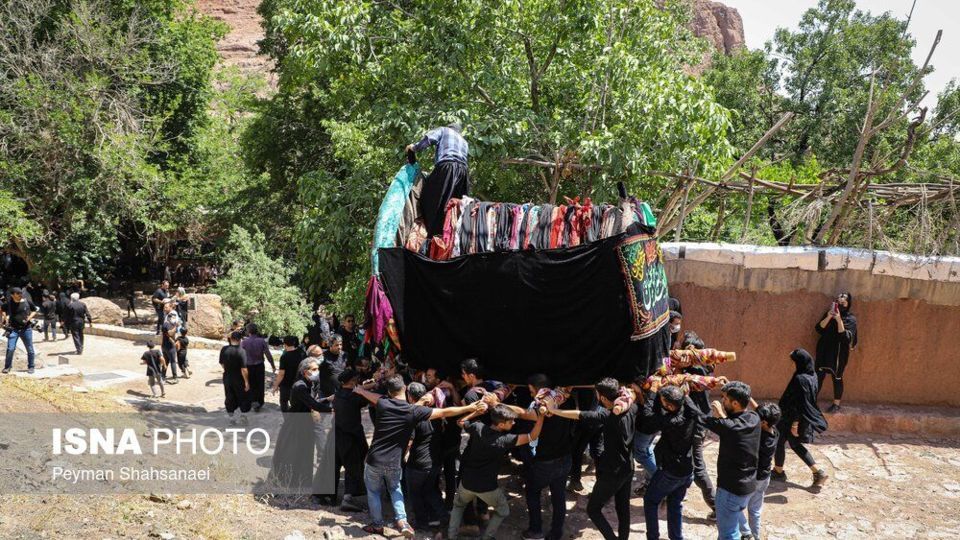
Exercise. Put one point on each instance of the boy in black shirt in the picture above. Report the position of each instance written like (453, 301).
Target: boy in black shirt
(481, 462)
(769, 418)
(151, 357)
(615, 467)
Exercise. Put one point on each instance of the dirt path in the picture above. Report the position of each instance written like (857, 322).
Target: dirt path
(880, 487)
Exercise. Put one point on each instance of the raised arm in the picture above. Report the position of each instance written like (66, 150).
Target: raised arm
(525, 414)
(457, 411)
(534, 433)
(372, 397)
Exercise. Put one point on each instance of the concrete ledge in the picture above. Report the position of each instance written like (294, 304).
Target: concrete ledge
(875, 275)
(895, 419)
(132, 334)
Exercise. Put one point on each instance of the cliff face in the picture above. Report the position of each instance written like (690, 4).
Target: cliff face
(239, 46)
(721, 25)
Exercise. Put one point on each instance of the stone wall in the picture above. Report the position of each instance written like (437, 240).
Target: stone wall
(763, 302)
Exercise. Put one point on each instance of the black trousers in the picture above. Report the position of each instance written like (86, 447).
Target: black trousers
(781, 453)
(700, 476)
(76, 332)
(584, 436)
(548, 474)
(160, 317)
(450, 458)
(351, 452)
(257, 374)
(447, 180)
(837, 383)
(170, 355)
(616, 486)
(234, 396)
(49, 326)
(284, 398)
(423, 492)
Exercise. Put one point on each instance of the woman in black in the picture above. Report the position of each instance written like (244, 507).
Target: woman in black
(801, 419)
(838, 336)
(293, 462)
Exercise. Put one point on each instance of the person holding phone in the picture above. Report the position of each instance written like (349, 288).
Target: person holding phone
(838, 336)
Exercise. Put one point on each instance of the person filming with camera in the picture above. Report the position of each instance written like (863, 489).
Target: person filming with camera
(17, 318)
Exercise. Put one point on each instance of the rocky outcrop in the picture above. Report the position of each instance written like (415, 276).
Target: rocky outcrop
(720, 25)
(239, 47)
(206, 320)
(103, 311)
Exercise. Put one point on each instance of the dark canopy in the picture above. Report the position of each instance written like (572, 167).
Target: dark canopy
(563, 312)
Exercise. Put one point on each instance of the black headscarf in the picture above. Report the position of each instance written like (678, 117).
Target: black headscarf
(849, 319)
(799, 400)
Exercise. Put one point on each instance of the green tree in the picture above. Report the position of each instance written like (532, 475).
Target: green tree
(102, 106)
(559, 98)
(256, 283)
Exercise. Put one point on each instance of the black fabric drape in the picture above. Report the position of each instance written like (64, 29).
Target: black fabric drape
(561, 312)
(447, 180)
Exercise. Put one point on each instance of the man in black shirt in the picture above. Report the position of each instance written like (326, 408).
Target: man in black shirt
(769, 418)
(18, 312)
(395, 420)
(481, 463)
(287, 373)
(351, 441)
(351, 342)
(49, 311)
(236, 382)
(77, 315)
(615, 467)
(422, 472)
(151, 357)
(161, 294)
(676, 418)
(739, 431)
(548, 467)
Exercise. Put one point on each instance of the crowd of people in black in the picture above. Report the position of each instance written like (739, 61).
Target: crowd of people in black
(440, 439)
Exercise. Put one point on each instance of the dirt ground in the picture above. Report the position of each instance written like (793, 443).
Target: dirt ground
(880, 487)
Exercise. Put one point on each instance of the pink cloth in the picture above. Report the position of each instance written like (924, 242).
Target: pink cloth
(377, 310)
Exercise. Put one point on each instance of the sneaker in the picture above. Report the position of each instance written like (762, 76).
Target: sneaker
(778, 476)
(747, 537)
(712, 516)
(834, 408)
(405, 529)
(373, 529)
(163, 395)
(532, 535)
(820, 478)
(574, 485)
(6, 370)
(348, 504)
(435, 524)
(30, 371)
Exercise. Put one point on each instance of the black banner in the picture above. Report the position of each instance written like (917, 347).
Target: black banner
(563, 312)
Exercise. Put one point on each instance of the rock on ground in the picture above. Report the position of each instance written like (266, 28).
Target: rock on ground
(207, 319)
(103, 311)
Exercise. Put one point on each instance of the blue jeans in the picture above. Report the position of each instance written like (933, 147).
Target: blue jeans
(375, 478)
(27, 336)
(729, 513)
(754, 507)
(664, 485)
(643, 452)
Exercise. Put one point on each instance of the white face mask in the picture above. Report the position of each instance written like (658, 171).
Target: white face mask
(674, 329)
(313, 376)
